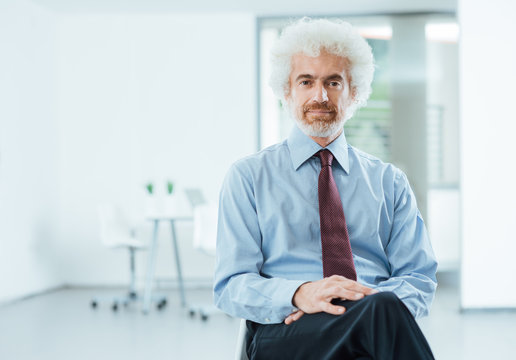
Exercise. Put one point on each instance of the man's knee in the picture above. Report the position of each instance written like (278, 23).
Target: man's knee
(387, 306)
(381, 299)
(386, 300)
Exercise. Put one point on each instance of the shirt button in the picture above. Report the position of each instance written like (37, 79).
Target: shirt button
(267, 320)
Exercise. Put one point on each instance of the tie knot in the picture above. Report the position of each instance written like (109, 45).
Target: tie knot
(326, 157)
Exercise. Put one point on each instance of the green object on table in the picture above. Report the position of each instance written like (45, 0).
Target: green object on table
(170, 187)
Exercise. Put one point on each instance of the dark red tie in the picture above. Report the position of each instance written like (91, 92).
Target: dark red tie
(336, 249)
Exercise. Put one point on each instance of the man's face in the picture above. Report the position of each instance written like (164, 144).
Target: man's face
(319, 93)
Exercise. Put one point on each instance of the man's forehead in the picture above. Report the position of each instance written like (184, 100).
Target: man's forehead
(302, 63)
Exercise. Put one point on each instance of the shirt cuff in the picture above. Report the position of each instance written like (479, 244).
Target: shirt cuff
(282, 301)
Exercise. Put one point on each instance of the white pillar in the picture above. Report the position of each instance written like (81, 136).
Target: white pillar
(408, 95)
(488, 131)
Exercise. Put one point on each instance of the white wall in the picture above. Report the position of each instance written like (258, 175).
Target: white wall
(488, 127)
(147, 97)
(28, 150)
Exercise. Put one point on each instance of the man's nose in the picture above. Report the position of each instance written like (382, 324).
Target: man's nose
(321, 95)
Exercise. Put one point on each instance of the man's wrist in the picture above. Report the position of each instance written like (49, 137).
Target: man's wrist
(296, 292)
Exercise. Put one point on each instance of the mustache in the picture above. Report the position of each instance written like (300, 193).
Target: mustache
(320, 106)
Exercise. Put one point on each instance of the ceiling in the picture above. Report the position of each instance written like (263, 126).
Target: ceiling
(263, 8)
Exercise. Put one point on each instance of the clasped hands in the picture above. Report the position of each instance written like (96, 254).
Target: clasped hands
(316, 296)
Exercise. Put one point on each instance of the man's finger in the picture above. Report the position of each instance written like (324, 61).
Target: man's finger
(355, 286)
(342, 293)
(332, 309)
(289, 319)
(293, 317)
(297, 315)
(364, 289)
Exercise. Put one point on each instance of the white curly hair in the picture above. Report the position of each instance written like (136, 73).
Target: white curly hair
(310, 36)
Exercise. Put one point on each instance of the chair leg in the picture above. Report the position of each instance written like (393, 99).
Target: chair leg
(132, 296)
(132, 286)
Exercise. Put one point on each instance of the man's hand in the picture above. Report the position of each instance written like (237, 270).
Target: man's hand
(314, 297)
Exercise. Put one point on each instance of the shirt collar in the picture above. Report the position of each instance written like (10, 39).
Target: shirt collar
(302, 148)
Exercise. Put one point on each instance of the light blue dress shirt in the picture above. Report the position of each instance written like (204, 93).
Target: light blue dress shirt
(269, 239)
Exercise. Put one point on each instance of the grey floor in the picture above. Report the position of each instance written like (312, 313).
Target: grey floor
(60, 325)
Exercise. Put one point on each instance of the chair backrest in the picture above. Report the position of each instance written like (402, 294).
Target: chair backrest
(114, 227)
(195, 197)
(205, 227)
(240, 353)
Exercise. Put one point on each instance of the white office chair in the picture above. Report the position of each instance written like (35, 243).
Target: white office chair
(195, 197)
(205, 228)
(204, 240)
(116, 233)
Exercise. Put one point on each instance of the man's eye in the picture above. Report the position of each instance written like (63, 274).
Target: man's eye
(334, 83)
(305, 82)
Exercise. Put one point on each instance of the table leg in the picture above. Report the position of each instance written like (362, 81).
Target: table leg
(151, 267)
(178, 264)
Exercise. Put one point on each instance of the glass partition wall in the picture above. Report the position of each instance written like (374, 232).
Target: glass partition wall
(411, 118)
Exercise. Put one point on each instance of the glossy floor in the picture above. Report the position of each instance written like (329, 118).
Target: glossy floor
(61, 325)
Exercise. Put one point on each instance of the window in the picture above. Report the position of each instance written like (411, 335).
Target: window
(370, 129)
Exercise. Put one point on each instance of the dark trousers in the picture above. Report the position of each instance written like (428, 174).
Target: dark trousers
(376, 327)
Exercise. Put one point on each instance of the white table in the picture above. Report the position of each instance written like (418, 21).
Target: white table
(151, 258)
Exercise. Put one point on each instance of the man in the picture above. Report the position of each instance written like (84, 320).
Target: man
(320, 246)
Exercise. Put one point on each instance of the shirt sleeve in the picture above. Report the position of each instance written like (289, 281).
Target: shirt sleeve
(239, 288)
(411, 258)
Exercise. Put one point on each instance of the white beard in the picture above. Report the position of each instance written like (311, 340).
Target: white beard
(319, 128)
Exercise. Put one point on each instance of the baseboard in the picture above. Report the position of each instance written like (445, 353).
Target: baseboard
(15, 299)
(190, 284)
(492, 310)
(450, 278)
(159, 284)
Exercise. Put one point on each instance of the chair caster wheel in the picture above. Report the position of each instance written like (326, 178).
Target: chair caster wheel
(191, 313)
(161, 304)
(114, 307)
(204, 317)
(94, 304)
